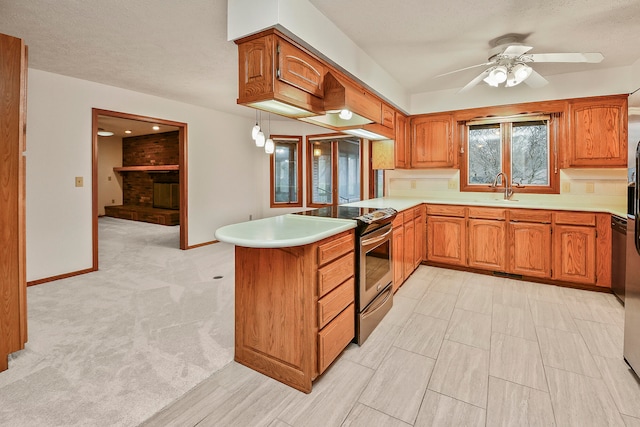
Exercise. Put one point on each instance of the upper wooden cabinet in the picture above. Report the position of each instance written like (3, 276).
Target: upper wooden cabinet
(271, 68)
(401, 143)
(597, 132)
(432, 144)
(388, 118)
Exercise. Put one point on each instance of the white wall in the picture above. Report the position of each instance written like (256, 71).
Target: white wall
(223, 167)
(109, 182)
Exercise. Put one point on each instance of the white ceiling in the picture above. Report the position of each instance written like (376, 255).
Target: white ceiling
(178, 50)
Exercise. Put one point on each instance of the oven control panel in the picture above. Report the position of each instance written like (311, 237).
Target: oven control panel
(377, 215)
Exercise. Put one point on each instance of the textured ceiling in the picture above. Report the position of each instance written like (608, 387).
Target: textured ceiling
(178, 50)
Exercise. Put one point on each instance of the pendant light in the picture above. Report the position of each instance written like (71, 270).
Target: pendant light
(269, 145)
(256, 128)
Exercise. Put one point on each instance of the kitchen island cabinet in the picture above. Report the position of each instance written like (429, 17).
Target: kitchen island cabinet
(295, 308)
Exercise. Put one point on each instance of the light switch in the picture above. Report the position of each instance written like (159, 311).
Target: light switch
(79, 181)
(413, 184)
(566, 187)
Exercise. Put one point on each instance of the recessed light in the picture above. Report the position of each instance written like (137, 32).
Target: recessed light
(156, 127)
(127, 131)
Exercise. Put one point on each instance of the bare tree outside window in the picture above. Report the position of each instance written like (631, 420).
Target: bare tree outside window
(530, 153)
(527, 148)
(485, 153)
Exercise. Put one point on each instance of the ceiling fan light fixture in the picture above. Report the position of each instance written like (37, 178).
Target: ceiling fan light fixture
(496, 76)
(517, 74)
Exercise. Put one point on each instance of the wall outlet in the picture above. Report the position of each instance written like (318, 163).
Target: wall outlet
(589, 187)
(413, 184)
(250, 217)
(109, 178)
(452, 184)
(566, 187)
(79, 181)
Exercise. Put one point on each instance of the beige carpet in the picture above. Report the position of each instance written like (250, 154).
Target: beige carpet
(112, 348)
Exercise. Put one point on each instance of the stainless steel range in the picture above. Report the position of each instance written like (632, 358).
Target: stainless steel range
(374, 268)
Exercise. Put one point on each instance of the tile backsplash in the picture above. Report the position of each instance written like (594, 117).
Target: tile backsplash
(594, 186)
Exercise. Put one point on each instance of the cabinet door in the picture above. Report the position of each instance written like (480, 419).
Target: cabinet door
(409, 248)
(574, 254)
(487, 244)
(398, 257)
(598, 132)
(530, 249)
(419, 232)
(401, 152)
(446, 242)
(432, 143)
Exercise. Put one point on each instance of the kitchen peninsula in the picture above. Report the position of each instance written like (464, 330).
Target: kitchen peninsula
(295, 297)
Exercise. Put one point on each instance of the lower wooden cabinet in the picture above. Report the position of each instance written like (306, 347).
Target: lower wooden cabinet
(566, 246)
(295, 308)
(575, 254)
(530, 249)
(408, 243)
(446, 240)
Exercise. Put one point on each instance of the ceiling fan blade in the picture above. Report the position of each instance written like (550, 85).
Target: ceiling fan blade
(463, 69)
(475, 81)
(566, 57)
(535, 80)
(516, 50)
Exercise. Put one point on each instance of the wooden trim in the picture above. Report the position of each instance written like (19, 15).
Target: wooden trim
(199, 245)
(60, 276)
(300, 186)
(182, 173)
(555, 138)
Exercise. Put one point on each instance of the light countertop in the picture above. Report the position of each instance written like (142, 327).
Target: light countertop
(518, 201)
(282, 231)
(297, 230)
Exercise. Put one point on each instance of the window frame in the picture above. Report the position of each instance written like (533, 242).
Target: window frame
(299, 176)
(554, 135)
(333, 137)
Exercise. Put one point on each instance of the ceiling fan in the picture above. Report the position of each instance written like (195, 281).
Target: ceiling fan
(510, 63)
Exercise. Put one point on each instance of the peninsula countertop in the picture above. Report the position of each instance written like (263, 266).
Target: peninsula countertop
(282, 231)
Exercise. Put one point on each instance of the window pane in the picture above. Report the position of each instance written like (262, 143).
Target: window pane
(530, 153)
(485, 153)
(348, 170)
(321, 172)
(286, 172)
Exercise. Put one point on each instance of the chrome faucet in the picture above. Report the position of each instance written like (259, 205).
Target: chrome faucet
(508, 190)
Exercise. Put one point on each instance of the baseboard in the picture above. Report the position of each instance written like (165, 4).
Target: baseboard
(61, 276)
(203, 244)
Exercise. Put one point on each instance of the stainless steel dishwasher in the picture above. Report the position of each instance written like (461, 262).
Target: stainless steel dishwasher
(618, 255)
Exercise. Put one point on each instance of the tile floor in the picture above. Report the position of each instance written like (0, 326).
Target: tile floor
(457, 349)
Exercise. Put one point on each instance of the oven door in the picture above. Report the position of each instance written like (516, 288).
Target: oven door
(375, 265)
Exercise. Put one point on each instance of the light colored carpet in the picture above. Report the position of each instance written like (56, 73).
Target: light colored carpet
(112, 348)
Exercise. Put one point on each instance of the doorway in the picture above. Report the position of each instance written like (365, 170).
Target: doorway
(118, 123)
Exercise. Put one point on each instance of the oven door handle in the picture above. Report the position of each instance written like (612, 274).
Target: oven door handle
(378, 302)
(373, 240)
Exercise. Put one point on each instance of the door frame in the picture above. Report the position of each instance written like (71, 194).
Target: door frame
(182, 172)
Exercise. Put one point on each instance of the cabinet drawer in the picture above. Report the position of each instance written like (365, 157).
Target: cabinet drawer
(445, 210)
(408, 215)
(335, 248)
(398, 220)
(332, 275)
(335, 301)
(487, 213)
(335, 337)
(576, 218)
(530, 215)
